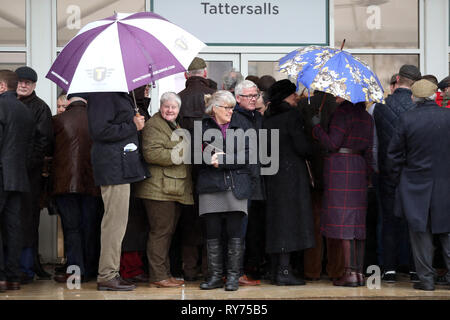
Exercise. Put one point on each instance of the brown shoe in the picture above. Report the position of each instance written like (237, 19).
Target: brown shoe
(3, 286)
(116, 284)
(245, 281)
(349, 279)
(13, 285)
(166, 283)
(174, 280)
(361, 279)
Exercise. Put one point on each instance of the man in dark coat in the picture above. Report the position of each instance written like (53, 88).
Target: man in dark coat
(16, 125)
(117, 162)
(76, 196)
(418, 158)
(247, 94)
(394, 230)
(192, 109)
(322, 104)
(42, 147)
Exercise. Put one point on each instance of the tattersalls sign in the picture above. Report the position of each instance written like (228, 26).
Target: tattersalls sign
(250, 22)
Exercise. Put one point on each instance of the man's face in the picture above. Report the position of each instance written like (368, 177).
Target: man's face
(447, 91)
(25, 87)
(247, 99)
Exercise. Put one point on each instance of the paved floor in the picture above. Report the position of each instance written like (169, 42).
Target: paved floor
(319, 290)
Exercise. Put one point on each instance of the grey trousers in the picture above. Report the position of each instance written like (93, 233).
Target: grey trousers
(116, 199)
(423, 250)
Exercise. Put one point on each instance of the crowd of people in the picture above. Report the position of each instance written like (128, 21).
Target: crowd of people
(356, 184)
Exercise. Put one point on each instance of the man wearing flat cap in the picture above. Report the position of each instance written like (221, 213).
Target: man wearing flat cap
(394, 229)
(192, 109)
(443, 96)
(417, 160)
(76, 196)
(42, 147)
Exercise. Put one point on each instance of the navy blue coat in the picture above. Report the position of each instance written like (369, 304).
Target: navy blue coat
(111, 126)
(236, 176)
(16, 129)
(252, 120)
(418, 162)
(386, 118)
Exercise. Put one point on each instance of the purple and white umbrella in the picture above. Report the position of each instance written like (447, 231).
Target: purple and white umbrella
(123, 52)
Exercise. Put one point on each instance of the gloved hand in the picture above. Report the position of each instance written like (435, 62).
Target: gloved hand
(315, 120)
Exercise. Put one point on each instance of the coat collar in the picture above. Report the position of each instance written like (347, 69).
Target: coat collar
(75, 104)
(196, 79)
(278, 109)
(9, 93)
(28, 98)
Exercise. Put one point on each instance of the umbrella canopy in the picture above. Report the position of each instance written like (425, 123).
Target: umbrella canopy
(334, 71)
(123, 52)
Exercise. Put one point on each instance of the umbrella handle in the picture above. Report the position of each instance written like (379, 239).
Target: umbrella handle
(135, 104)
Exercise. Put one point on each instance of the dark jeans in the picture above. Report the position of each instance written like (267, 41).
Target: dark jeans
(10, 231)
(396, 246)
(81, 218)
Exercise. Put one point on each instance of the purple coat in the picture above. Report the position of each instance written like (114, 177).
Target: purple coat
(345, 175)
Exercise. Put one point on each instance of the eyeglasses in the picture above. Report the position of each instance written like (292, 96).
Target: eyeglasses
(226, 108)
(251, 96)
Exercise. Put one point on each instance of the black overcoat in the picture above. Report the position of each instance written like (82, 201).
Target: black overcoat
(418, 161)
(16, 128)
(111, 126)
(289, 218)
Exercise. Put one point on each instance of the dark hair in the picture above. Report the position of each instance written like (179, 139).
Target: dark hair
(265, 82)
(253, 79)
(393, 79)
(431, 78)
(10, 77)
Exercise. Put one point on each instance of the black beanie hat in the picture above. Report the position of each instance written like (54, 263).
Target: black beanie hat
(281, 90)
(27, 73)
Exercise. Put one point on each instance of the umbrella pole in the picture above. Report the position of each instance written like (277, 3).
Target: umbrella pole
(135, 104)
(342, 45)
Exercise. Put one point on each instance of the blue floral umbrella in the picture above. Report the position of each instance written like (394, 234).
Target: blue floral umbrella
(334, 71)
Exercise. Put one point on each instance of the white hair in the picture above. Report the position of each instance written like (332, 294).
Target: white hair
(219, 98)
(170, 96)
(246, 84)
(422, 100)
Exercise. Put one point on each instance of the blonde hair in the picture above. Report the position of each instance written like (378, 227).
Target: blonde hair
(218, 98)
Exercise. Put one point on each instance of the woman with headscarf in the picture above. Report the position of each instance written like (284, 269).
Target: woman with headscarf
(289, 219)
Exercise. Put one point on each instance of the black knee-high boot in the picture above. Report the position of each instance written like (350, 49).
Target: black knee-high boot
(233, 265)
(215, 265)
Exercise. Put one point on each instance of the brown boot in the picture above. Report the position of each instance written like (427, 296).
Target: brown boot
(349, 279)
(361, 279)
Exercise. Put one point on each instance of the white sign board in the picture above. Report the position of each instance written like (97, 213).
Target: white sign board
(250, 22)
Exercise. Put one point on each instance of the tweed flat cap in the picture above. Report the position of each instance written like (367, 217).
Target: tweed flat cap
(197, 64)
(409, 71)
(423, 88)
(26, 73)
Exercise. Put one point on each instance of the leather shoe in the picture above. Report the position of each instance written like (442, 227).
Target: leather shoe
(361, 279)
(3, 286)
(245, 281)
(349, 279)
(140, 278)
(25, 279)
(389, 277)
(116, 284)
(311, 278)
(441, 281)
(421, 286)
(174, 280)
(166, 283)
(62, 278)
(13, 285)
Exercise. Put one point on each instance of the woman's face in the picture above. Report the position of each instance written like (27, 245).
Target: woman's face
(292, 99)
(223, 113)
(169, 110)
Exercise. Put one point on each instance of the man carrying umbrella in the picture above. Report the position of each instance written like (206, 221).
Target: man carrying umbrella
(117, 162)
